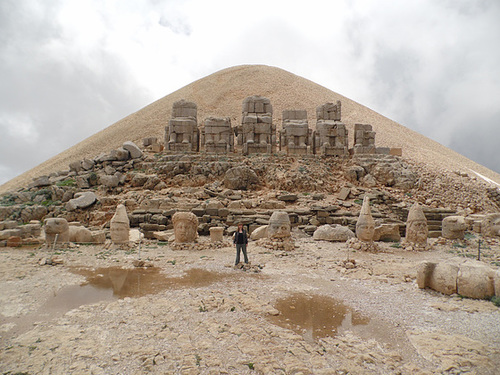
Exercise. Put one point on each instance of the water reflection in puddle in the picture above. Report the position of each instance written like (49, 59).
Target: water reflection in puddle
(316, 316)
(107, 284)
(137, 282)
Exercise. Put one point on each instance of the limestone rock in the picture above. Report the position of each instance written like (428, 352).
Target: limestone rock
(387, 232)
(490, 226)
(133, 149)
(81, 200)
(258, 233)
(120, 226)
(120, 154)
(162, 235)
(41, 181)
(80, 234)
(441, 277)
(476, 280)
(240, 178)
(56, 226)
(333, 233)
(454, 227)
(14, 241)
(496, 281)
(139, 179)
(217, 234)
(109, 181)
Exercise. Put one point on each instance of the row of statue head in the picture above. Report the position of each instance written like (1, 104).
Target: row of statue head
(257, 132)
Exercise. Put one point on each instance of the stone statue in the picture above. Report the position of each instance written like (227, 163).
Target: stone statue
(217, 135)
(365, 226)
(295, 135)
(330, 137)
(185, 227)
(56, 226)
(416, 226)
(119, 226)
(490, 226)
(364, 139)
(257, 134)
(279, 225)
(181, 133)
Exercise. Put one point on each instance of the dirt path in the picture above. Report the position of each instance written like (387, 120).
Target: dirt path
(204, 317)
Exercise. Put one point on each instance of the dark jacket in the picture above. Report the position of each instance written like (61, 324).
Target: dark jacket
(240, 238)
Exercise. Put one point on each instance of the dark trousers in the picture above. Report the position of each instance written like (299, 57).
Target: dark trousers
(241, 247)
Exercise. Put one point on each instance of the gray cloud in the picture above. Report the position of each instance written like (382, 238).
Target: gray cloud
(49, 102)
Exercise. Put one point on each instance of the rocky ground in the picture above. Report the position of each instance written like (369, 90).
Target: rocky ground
(193, 313)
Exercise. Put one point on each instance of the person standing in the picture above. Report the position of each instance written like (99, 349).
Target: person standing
(240, 240)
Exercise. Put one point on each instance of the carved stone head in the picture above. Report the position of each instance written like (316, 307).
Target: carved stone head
(185, 227)
(365, 226)
(490, 227)
(416, 226)
(279, 225)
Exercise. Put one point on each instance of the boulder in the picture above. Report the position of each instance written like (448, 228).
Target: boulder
(87, 164)
(333, 233)
(81, 200)
(453, 227)
(14, 241)
(162, 235)
(139, 179)
(258, 233)
(120, 154)
(80, 234)
(288, 197)
(476, 280)
(387, 232)
(41, 181)
(133, 149)
(109, 181)
(240, 178)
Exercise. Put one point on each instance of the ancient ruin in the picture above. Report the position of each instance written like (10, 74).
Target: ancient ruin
(364, 139)
(56, 231)
(365, 226)
(120, 226)
(217, 135)
(257, 133)
(490, 227)
(185, 227)
(416, 228)
(295, 136)
(181, 133)
(330, 137)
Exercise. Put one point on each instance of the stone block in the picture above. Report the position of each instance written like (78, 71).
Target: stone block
(217, 234)
(441, 277)
(333, 233)
(476, 280)
(344, 193)
(259, 232)
(387, 232)
(453, 227)
(396, 151)
(14, 241)
(133, 149)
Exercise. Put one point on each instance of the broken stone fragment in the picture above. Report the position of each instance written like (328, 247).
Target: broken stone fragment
(133, 149)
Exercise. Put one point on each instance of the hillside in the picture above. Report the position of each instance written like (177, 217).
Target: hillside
(221, 94)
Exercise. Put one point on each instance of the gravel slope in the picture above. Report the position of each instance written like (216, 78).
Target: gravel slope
(221, 94)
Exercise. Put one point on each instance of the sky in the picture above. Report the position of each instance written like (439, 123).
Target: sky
(69, 69)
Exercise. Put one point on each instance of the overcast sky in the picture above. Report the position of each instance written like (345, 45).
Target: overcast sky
(71, 68)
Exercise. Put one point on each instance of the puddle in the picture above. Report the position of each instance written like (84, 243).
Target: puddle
(138, 282)
(108, 284)
(316, 316)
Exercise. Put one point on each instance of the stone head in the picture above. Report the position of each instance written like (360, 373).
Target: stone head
(416, 225)
(185, 227)
(365, 226)
(56, 225)
(279, 225)
(490, 227)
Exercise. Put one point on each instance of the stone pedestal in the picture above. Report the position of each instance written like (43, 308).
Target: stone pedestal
(120, 226)
(216, 234)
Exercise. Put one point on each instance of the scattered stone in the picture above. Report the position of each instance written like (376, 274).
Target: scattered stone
(333, 232)
(387, 232)
(133, 149)
(288, 197)
(81, 200)
(344, 193)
